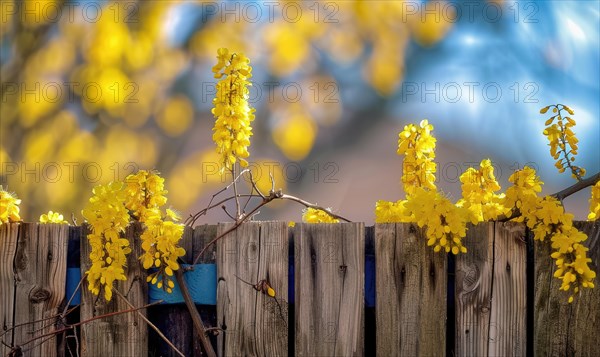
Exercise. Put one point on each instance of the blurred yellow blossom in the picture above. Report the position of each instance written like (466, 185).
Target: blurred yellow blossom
(9, 207)
(52, 217)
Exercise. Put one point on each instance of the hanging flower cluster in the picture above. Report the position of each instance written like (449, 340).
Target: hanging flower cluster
(160, 239)
(418, 147)
(547, 217)
(9, 207)
(110, 211)
(231, 110)
(52, 217)
(445, 222)
(313, 215)
(107, 215)
(562, 139)
(479, 196)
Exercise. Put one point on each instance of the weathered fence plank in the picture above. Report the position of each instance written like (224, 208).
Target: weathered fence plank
(253, 323)
(560, 328)
(491, 291)
(41, 276)
(411, 293)
(329, 279)
(9, 234)
(123, 334)
(508, 319)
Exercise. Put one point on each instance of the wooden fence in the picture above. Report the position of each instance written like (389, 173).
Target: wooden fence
(341, 290)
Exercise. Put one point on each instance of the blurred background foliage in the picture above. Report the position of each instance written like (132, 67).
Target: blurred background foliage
(93, 90)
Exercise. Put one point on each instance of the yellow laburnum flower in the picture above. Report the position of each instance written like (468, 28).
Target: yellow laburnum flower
(313, 215)
(478, 192)
(108, 217)
(523, 195)
(231, 109)
(392, 212)
(562, 139)
(595, 203)
(145, 196)
(144, 190)
(160, 244)
(52, 217)
(418, 147)
(9, 207)
(445, 222)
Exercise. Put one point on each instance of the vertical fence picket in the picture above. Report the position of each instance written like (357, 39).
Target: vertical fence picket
(253, 323)
(560, 328)
(9, 234)
(411, 293)
(474, 272)
(202, 236)
(329, 278)
(491, 291)
(122, 334)
(508, 319)
(41, 271)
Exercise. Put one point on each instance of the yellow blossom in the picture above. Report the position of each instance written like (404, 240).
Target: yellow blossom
(313, 215)
(9, 207)
(418, 147)
(231, 109)
(478, 192)
(595, 203)
(562, 139)
(107, 215)
(52, 217)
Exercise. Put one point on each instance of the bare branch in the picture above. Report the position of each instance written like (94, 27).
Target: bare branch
(580, 185)
(310, 205)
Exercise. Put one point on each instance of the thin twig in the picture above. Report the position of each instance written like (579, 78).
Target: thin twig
(192, 218)
(234, 227)
(227, 213)
(272, 196)
(151, 325)
(238, 208)
(310, 205)
(67, 328)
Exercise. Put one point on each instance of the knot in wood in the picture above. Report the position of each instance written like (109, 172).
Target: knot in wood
(343, 268)
(485, 309)
(39, 295)
(50, 255)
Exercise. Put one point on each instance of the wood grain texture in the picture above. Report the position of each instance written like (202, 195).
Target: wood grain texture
(123, 334)
(253, 323)
(329, 279)
(411, 293)
(508, 319)
(560, 328)
(491, 291)
(41, 272)
(9, 235)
